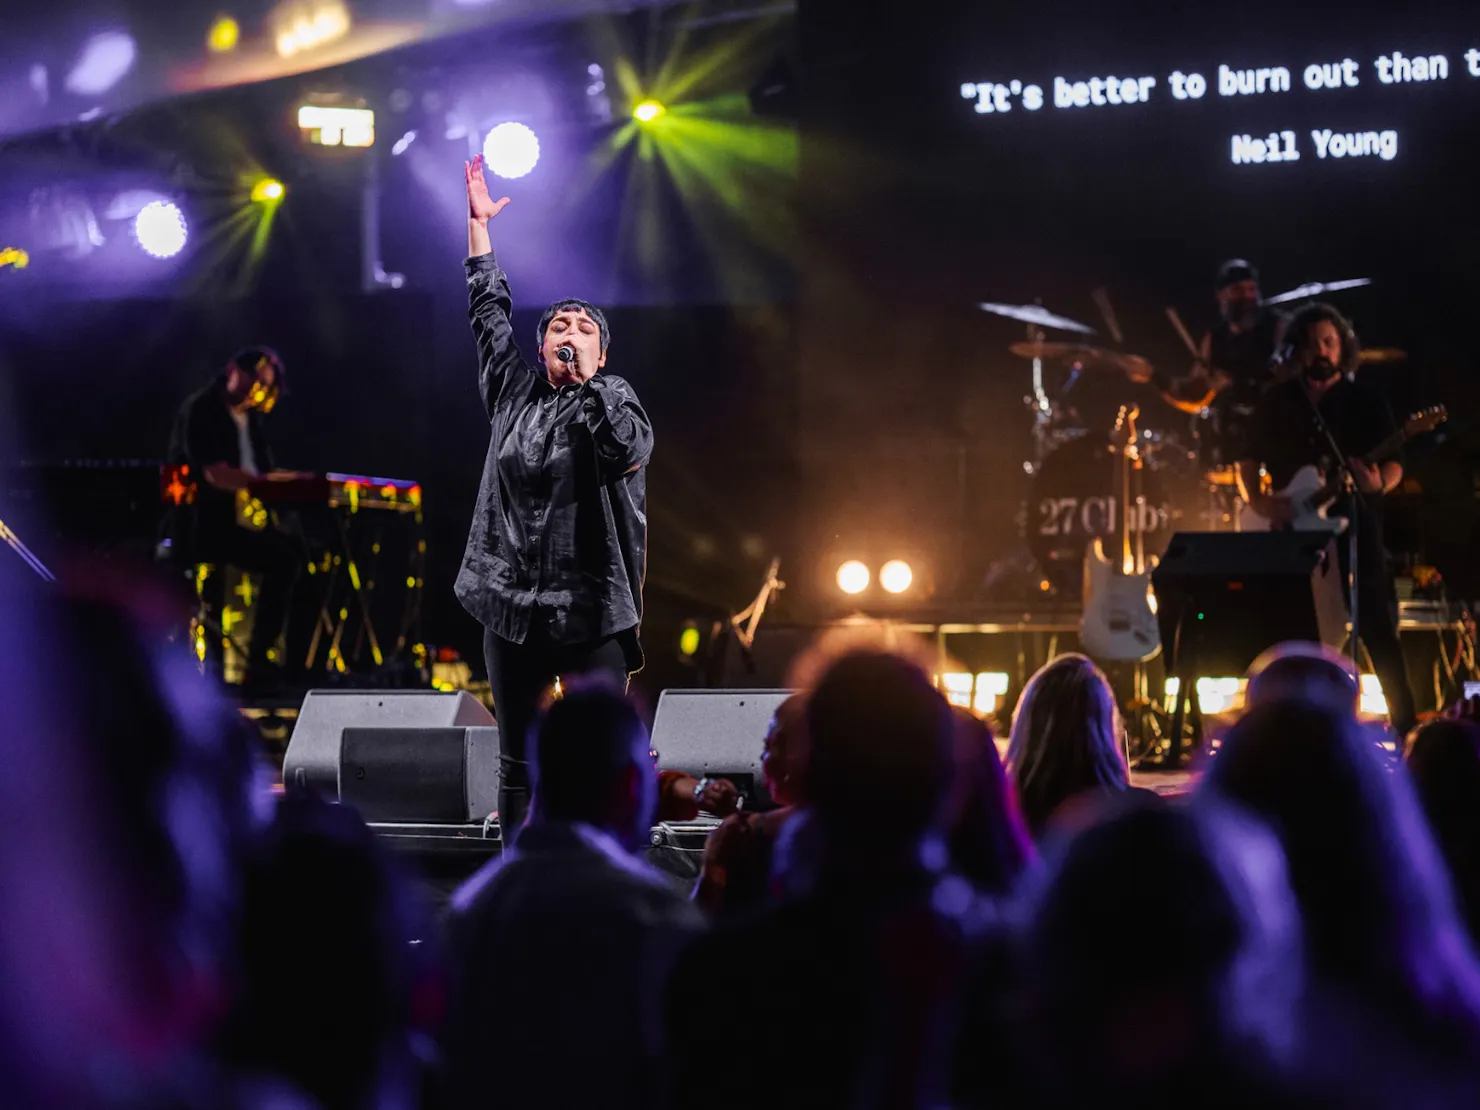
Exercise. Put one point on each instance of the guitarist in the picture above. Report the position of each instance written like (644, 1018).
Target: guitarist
(1283, 436)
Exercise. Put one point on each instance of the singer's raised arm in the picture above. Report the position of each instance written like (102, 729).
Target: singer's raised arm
(501, 367)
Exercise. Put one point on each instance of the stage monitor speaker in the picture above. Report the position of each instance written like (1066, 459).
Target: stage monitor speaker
(433, 775)
(718, 733)
(1233, 595)
(317, 751)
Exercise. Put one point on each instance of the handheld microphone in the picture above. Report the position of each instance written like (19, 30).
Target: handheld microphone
(565, 353)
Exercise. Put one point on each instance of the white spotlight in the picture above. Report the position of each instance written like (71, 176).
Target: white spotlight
(160, 229)
(853, 577)
(896, 576)
(511, 150)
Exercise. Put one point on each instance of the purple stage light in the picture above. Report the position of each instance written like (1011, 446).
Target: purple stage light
(105, 60)
(160, 229)
(511, 150)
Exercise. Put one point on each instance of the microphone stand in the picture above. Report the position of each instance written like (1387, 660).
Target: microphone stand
(1355, 508)
(27, 555)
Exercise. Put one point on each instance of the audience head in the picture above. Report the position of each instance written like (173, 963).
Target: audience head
(881, 752)
(1162, 955)
(140, 821)
(1379, 913)
(784, 754)
(1066, 739)
(1303, 671)
(1444, 764)
(332, 944)
(988, 841)
(591, 764)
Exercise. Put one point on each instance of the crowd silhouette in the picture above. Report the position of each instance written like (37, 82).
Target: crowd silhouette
(916, 923)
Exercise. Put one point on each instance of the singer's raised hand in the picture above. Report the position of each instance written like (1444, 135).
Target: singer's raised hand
(481, 206)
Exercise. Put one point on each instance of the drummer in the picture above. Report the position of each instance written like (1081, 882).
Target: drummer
(1237, 361)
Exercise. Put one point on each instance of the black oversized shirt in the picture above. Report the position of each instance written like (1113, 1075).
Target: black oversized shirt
(559, 536)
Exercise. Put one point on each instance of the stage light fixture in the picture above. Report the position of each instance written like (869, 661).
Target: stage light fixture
(105, 60)
(1372, 701)
(328, 126)
(403, 143)
(896, 576)
(852, 577)
(956, 686)
(688, 640)
(224, 34)
(991, 687)
(267, 189)
(647, 111)
(511, 150)
(298, 27)
(1215, 695)
(160, 229)
(14, 256)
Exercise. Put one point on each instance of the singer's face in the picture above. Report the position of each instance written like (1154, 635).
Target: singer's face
(572, 327)
(1323, 346)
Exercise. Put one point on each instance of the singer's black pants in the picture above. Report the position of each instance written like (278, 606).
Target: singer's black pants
(520, 675)
(1377, 615)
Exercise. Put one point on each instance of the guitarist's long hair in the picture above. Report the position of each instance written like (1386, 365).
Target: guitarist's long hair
(1298, 330)
(1066, 739)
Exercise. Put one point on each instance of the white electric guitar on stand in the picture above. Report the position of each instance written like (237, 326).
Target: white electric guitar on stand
(1310, 493)
(1119, 620)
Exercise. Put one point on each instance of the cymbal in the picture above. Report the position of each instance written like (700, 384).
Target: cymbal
(1036, 314)
(1081, 354)
(1382, 354)
(1316, 288)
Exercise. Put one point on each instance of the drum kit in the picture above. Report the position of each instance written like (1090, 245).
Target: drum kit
(1072, 497)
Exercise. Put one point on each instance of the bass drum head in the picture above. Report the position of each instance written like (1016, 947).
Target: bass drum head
(1075, 498)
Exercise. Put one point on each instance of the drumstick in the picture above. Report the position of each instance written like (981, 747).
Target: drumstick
(1182, 331)
(1101, 297)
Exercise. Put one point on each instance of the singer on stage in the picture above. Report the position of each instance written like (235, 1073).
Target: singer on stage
(558, 546)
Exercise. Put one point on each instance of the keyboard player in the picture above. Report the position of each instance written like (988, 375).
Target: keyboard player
(220, 434)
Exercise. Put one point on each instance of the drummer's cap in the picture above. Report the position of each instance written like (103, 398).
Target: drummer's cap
(1236, 269)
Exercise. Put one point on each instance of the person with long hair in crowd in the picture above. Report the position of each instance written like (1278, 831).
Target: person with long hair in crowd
(1444, 764)
(1066, 747)
(1394, 980)
(1205, 1016)
(987, 839)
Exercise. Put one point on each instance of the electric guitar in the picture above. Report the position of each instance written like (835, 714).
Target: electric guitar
(1310, 493)
(1119, 620)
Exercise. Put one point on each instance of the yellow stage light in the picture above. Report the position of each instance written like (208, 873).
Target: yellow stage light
(853, 577)
(267, 189)
(223, 35)
(648, 111)
(688, 640)
(896, 576)
(299, 27)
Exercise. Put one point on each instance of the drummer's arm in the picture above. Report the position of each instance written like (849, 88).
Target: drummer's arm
(1249, 484)
(1167, 387)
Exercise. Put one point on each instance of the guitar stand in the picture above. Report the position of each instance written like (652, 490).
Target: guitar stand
(1188, 710)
